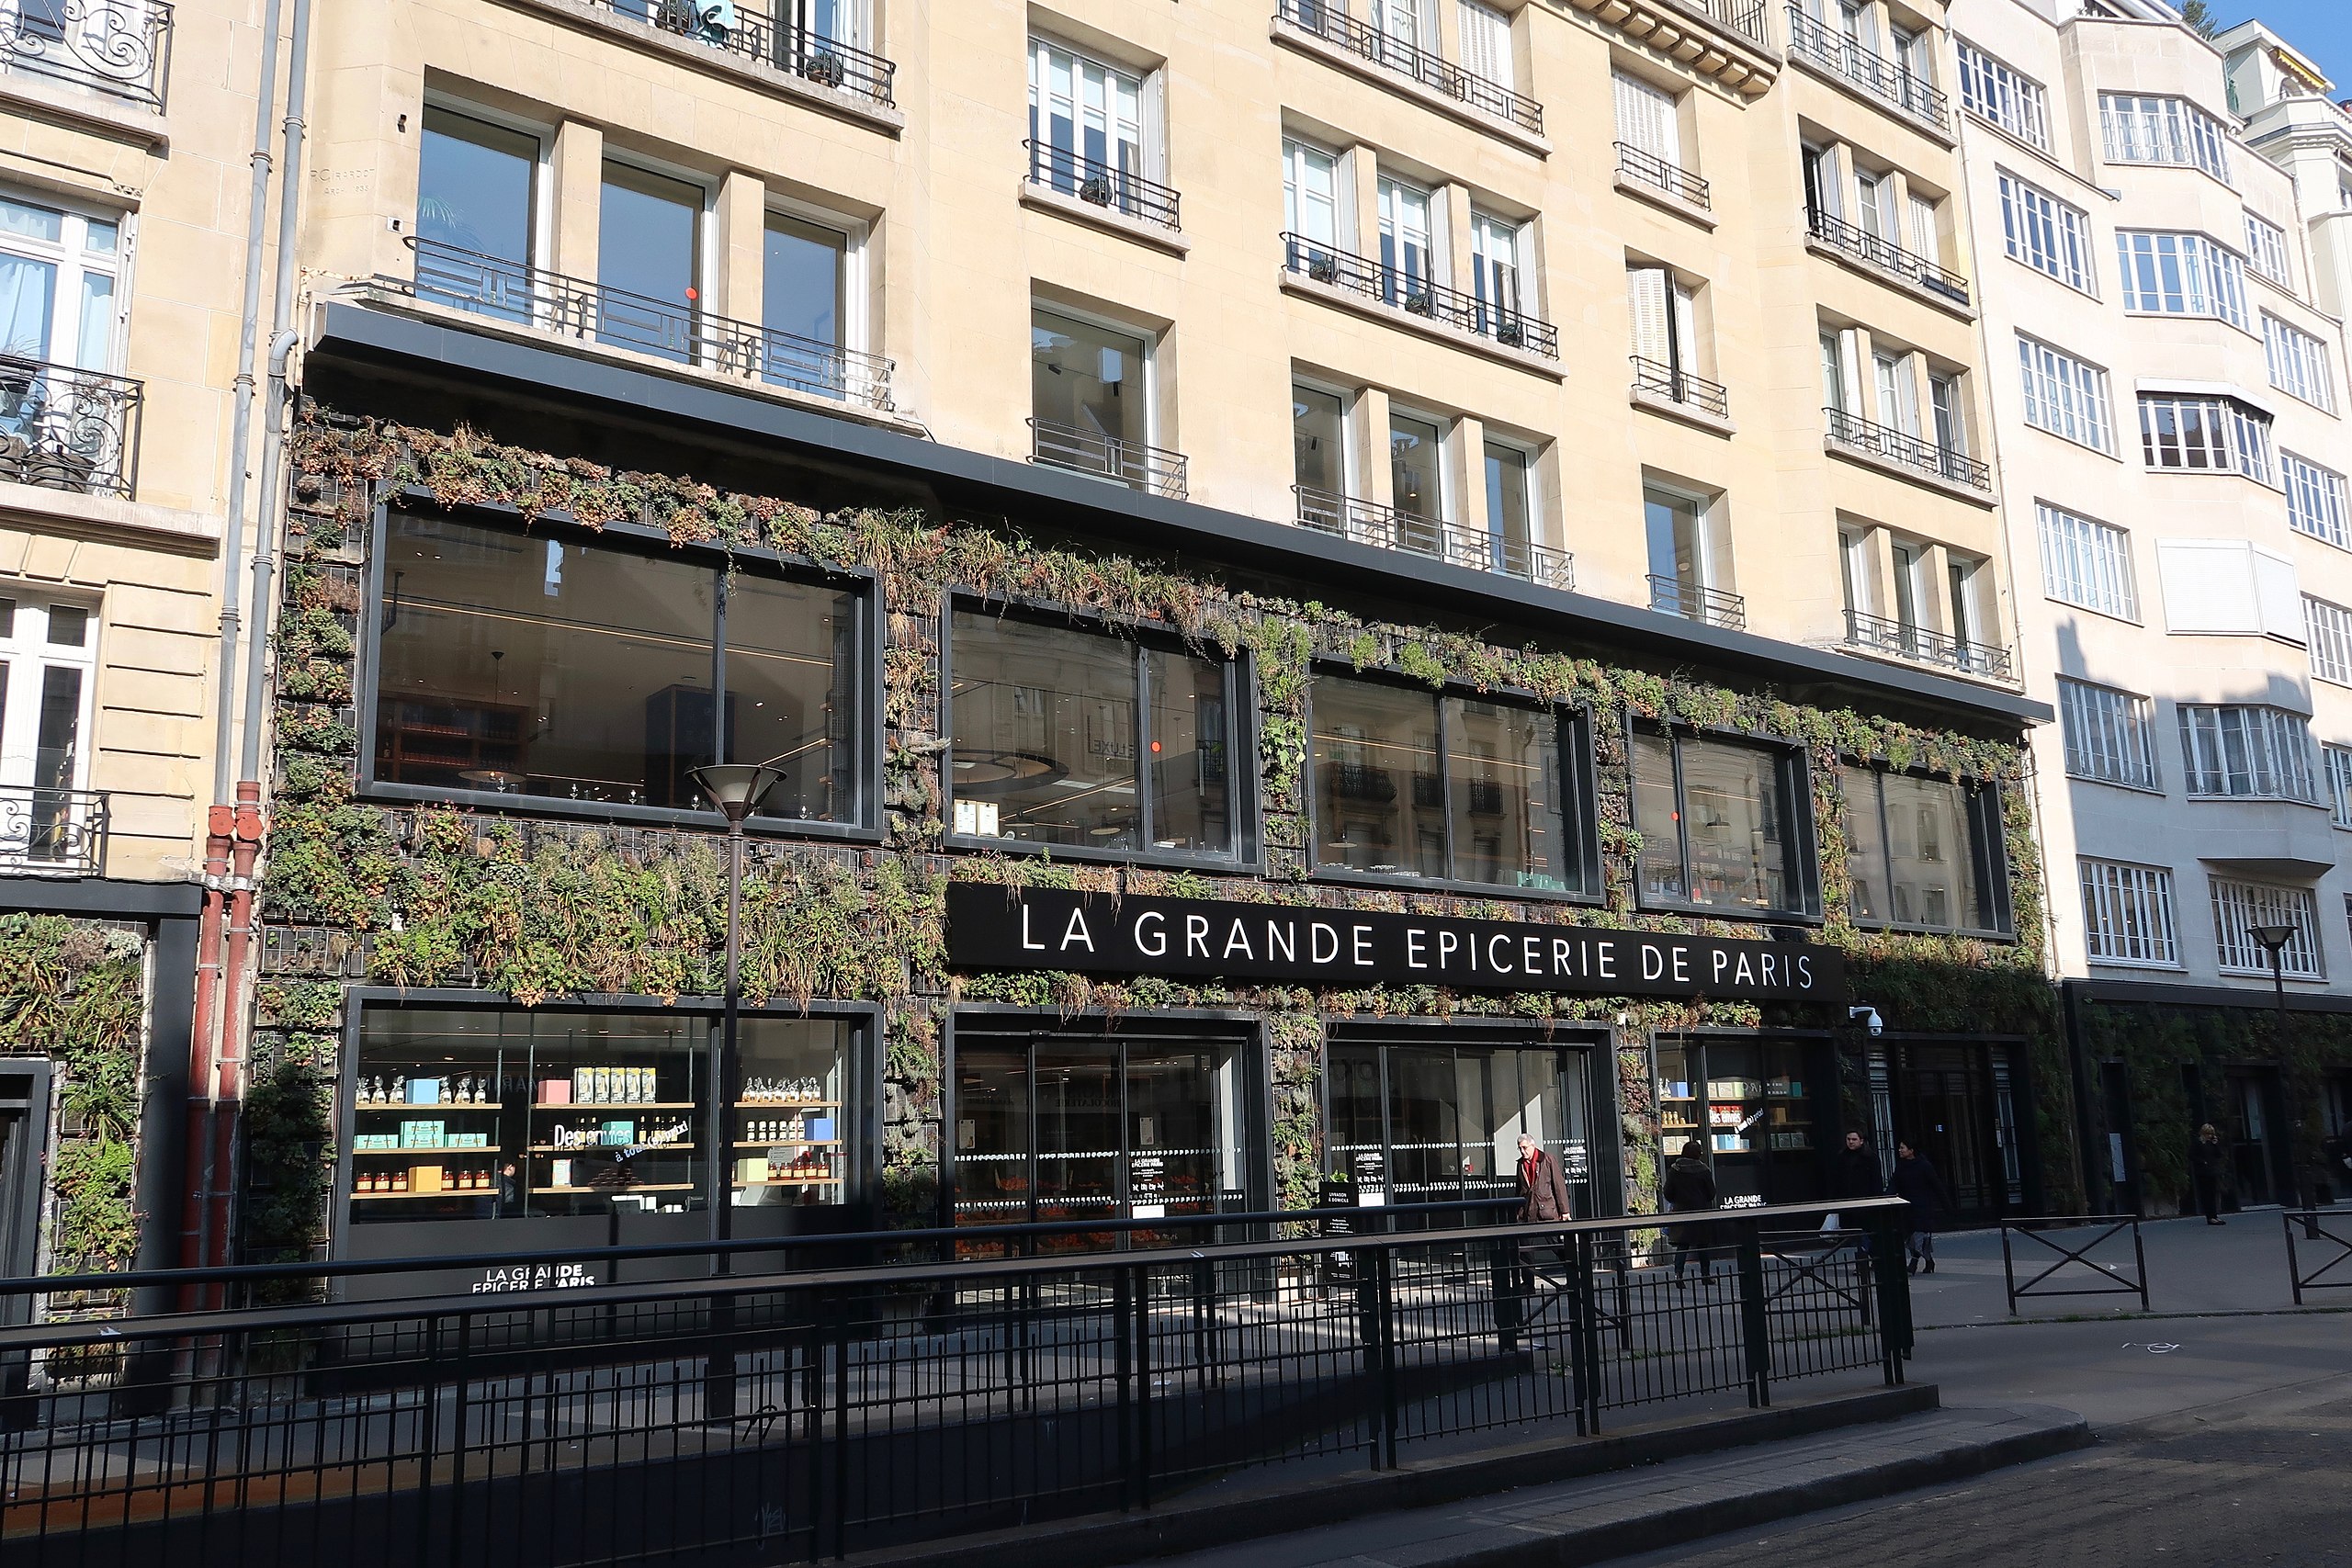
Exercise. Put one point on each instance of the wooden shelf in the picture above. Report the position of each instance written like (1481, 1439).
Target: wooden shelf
(788, 1105)
(433, 1149)
(406, 1109)
(618, 1192)
(574, 1108)
(446, 1192)
(603, 1148)
(775, 1143)
(793, 1181)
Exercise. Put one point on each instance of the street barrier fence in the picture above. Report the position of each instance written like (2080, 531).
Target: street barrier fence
(2322, 1261)
(2076, 1255)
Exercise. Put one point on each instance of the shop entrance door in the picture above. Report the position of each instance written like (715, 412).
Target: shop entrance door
(24, 1117)
(1944, 1110)
(1442, 1122)
(1761, 1107)
(2252, 1130)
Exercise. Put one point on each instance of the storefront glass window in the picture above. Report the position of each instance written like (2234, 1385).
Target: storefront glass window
(1922, 853)
(1722, 825)
(1752, 1104)
(524, 664)
(1442, 1124)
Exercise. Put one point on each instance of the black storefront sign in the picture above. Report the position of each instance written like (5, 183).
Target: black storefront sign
(992, 927)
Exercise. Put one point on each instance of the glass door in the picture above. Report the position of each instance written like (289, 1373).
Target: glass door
(1444, 1122)
(1946, 1115)
(1755, 1107)
(1406, 252)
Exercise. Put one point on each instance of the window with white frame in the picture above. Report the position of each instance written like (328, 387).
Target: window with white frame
(1311, 193)
(2205, 435)
(2004, 95)
(2181, 274)
(1666, 326)
(2266, 251)
(2065, 396)
(2110, 734)
(2239, 907)
(1498, 266)
(2329, 627)
(2298, 363)
(2046, 234)
(1648, 119)
(2338, 762)
(47, 652)
(2315, 500)
(60, 308)
(2127, 915)
(1086, 122)
(2146, 129)
(2087, 563)
(2247, 751)
(1410, 258)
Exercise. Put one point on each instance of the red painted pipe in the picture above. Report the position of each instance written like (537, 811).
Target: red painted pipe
(203, 1040)
(229, 1060)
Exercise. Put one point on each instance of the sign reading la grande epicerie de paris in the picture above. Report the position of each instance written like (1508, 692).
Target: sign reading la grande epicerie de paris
(989, 927)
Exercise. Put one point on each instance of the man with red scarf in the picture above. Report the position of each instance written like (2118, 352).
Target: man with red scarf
(1543, 1191)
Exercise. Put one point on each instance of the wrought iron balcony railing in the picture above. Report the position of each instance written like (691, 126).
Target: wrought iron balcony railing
(1100, 184)
(757, 35)
(1320, 263)
(57, 832)
(1329, 21)
(67, 429)
(1745, 17)
(1888, 256)
(1649, 169)
(1709, 606)
(1876, 634)
(1883, 79)
(1152, 469)
(121, 48)
(1883, 441)
(1681, 386)
(574, 307)
(1390, 528)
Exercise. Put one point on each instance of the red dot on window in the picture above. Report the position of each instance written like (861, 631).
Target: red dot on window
(1155, 746)
(693, 294)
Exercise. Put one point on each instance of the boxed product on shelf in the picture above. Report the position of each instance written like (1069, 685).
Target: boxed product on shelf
(751, 1168)
(555, 1091)
(424, 1091)
(819, 1127)
(421, 1135)
(424, 1178)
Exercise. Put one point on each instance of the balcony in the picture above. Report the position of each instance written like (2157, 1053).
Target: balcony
(1418, 297)
(1130, 463)
(1895, 85)
(1909, 451)
(1648, 169)
(120, 48)
(757, 37)
(1886, 256)
(1708, 606)
(1387, 527)
(67, 429)
(1329, 21)
(1876, 634)
(1098, 184)
(54, 832)
(545, 301)
(1662, 382)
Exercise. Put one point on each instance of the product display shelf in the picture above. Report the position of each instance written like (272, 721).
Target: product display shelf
(479, 1150)
(793, 1181)
(601, 1148)
(488, 1108)
(617, 1191)
(788, 1105)
(575, 1107)
(774, 1143)
(427, 1197)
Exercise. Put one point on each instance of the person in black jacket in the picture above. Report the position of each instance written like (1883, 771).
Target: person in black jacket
(2205, 1168)
(1855, 1174)
(1690, 1186)
(1919, 1184)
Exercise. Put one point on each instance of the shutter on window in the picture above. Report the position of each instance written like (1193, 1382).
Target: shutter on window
(1923, 229)
(1486, 43)
(1648, 285)
(1645, 119)
(1686, 329)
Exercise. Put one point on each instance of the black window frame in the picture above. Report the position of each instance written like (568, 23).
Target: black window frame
(1796, 786)
(1242, 740)
(1988, 854)
(1578, 777)
(861, 583)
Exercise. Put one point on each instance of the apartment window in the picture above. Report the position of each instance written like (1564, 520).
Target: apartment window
(1402, 21)
(1319, 442)
(2240, 907)
(64, 422)
(1857, 582)
(1409, 783)
(2127, 915)
(2046, 234)
(1666, 323)
(2148, 130)
(1898, 392)
(2065, 396)
(1723, 825)
(2298, 363)
(1311, 193)
(2248, 751)
(649, 243)
(1833, 372)
(2315, 500)
(564, 669)
(1090, 395)
(2087, 563)
(48, 652)
(805, 306)
(1999, 93)
(1510, 500)
(1686, 573)
(1407, 257)
(1951, 412)
(1923, 852)
(1497, 258)
(2205, 435)
(2266, 251)
(1485, 35)
(2181, 274)
(1649, 119)
(2110, 735)
(1085, 122)
(477, 213)
(2329, 627)
(2338, 762)
(1078, 739)
(1416, 466)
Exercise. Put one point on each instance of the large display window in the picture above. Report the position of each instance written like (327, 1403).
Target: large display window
(1925, 854)
(1725, 826)
(1441, 1122)
(1764, 1109)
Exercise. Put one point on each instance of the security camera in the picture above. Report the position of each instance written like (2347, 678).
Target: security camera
(1867, 1017)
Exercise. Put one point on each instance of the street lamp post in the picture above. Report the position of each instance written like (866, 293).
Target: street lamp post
(2274, 941)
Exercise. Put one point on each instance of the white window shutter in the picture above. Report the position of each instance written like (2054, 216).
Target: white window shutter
(1645, 119)
(1647, 288)
(1686, 328)
(1923, 229)
(1486, 43)
(2208, 586)
(2279, 596)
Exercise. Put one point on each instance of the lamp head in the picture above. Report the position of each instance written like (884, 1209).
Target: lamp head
(736, 788)
(2272, 937)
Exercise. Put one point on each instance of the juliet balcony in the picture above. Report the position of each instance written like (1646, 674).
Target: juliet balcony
(1882, 447)
(66, 429)
(1414, 300)
(1368, 523)
(54, 832)
(119, 48)
(1876, 634)
(1897, 86)
(1328, 22)
(1656, 383)
(748, 34)
(1887, 258)
(1693, 602)
(1652, 172)
(1153, 469)
(1104, 186)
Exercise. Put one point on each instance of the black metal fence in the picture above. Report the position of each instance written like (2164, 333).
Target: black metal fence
(1417, 295)
(1132, 463)
(1329, 21)
(1103, 184)
(1648, 168)
(1710, 607)
(1887, 257)
(803, 1415)
(767, 38)
(1878, 634)
(2061, 1261)
(54, 832)
(1392, 529)
(65, 428)
(1912, 452)
(1678, 385)
(2323, 1260)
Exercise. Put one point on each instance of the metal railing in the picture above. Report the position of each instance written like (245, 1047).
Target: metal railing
(1887, 257)
(1678, 385)
(1745, 17)
(1101, 184)
(55, 832)
(758, 36)
(2328, 1235)
(1329, 21)
(2069, 1263)
(1710, 607)
(1911, 451)
(574, 307)
(841, 1408)
(120, 48)
(66, 429)
(1883, 79)
(1879, 634)
(1320, 263)
(1368, 523)
(1132, 463)
(1649, 169)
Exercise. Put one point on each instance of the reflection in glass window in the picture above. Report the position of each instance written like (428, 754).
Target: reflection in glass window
(1720, 824)
(1443, 1123)
(1318, 441)
(524, 664)
(1917, 851)
(475, 186)
(649, 243)
(1074, 738)
(1087, 389)
(804, 290)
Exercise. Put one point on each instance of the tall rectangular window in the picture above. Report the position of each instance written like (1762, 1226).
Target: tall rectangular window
(2298, 363)
(1311, 193)
(648, 261)
(1085, 123)
(2001, 94)
(2046, 234)
(476, 214)
(1091, 397)
(2181, 274)
(1496, 258)
(48, 656)
(2205, 435)
(2110, 735)
(1666, 321)
(2065, 396)
(1923, 852)
(1409, 262)
(1416, 465)
(1318, 445)
(2315, 500)
(2240, 907)
(2330, 628)
(2145, 129)
(1485, 34)
(2087, 563)
(2338, 762)
(2247, 751)
(1723, 825)
(1647, 118)
(804, 301)
(1511, 491)
(2128, 915)
(2266, 251)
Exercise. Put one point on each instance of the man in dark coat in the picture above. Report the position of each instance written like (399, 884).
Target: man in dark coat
(1542, 1190)
(1919, 1184)
(1855, 1174)
(1690, 1186)
(2205, 1168)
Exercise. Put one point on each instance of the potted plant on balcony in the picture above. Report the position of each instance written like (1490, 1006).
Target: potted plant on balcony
(825, 68)
(1322, 266)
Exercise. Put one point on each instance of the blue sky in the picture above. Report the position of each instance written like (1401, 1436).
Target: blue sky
(2319, 29)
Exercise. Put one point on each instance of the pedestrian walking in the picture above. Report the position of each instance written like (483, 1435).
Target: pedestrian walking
(1918, 1183)
(1690, 1186)
(1855, 1174)
(1542, 1192)
(2205, 1169)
